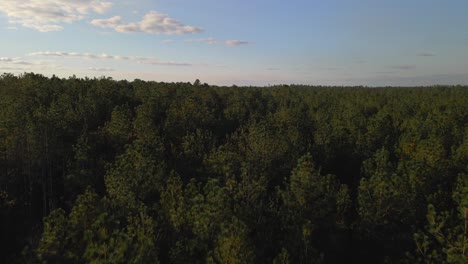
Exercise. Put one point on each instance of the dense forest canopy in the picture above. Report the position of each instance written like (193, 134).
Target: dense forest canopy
(104, 171)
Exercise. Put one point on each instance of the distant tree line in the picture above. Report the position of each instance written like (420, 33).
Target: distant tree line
(104, 171)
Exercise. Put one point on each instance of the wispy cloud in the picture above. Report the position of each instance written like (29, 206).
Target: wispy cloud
(214, 41)
(152, 23)
(272, 69)
(385, 72)
(19, 61)
(332, 68)
(61, 54)
(101, 69)
(104, 56)
(24, 63)
(237, 42)
(112, 22)
(20, 64)
(5, 68)
(166, 63)
(167, 41)
(403, 67)
(210, 41)
(49, 15)
(425, 54)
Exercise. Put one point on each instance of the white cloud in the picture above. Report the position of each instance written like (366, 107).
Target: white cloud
(19, 64)
(152, 23)
(112, 22)
(61, 54)
(210, 41)
(404, 67)
(104, 56)
(237, 42)
(101, 69)
(332, 68)
(10, 68)
(18, 61)
(49, 53)
(168, 41)
(425, 54)
(214, 41)
(25, 63)
(49, 15)
(166, 63)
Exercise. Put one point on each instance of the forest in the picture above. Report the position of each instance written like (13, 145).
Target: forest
(106, 171)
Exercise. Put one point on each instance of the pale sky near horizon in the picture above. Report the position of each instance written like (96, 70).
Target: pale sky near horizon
(242, 42)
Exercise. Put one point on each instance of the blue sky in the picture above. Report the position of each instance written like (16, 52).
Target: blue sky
(243, 42)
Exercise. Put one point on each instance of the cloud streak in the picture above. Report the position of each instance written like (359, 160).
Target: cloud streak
(101, 69)
(61, 54)
(50, 15)
(210, 41)
(104, 56)
(18, 61)
(19, 64)
(404, 67)
(214, 41)
(233, 43)
(425, 54)
(152, 23)
(332, 68)
(166, 63)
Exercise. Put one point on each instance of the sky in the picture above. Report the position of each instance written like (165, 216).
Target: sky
(241, 42)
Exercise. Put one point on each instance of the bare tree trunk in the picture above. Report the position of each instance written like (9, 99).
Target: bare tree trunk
(465, 233)
(45, 175)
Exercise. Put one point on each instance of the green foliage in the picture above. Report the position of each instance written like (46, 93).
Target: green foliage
(311, 193)
(173, 202)
(311, 203)
(232, 245)
(52, 242)
(385, 199)
(445, 238)
(282, 258)
(135, 177)
(119, 128)
(188, 173)
(94, 232)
